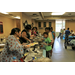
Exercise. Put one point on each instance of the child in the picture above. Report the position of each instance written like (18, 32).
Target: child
(48, 29)
(47, 44)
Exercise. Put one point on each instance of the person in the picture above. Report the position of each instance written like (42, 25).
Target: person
(64, 31)
(37, 32)
(12, 48)
(53, 34)
(48, 29)
(47, 44)
(33, 32)
(72, 33)
(25, 35)
(60, 33)
(67, 33)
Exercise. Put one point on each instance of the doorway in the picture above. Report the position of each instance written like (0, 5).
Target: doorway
(59, 24)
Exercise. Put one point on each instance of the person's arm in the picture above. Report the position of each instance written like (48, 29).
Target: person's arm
(54, 35)
(50, 43)
(24, 36)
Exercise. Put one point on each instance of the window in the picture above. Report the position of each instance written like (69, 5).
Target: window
(49, 24)
(60, 25)
(39, 24)
(44, 24)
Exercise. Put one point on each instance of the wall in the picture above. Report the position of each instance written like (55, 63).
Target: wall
(47, 25)
(8, 24)
(24, 18)
(70, 24)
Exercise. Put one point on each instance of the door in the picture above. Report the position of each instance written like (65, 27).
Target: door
(59, 24)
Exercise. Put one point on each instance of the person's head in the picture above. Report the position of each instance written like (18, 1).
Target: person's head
(33, 29)
(71, 30)
(67, 28)
(51, 28)
(36, 29)
(64, 29)
(28, 27)
(47, 29)
(45, 34)
(16, 31)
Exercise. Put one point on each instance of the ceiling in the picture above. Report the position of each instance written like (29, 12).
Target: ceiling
(11, 15)
(42, 15)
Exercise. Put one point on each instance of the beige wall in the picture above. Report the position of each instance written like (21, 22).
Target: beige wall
(8, 24)
(24, 18)
(70, 24)
(47, 24)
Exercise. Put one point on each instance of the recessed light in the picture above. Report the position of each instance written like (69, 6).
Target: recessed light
(57, 13)
(4, 12)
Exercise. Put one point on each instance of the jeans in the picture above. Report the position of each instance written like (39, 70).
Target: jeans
(48, 54)
(59, 35)
(66, 39)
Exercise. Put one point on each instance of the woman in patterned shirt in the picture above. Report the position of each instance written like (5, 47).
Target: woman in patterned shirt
(12, 48)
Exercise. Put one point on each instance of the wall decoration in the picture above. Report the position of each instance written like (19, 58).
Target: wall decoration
(49, 24)
(1, 27)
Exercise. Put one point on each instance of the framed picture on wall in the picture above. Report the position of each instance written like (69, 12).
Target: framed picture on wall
(44, 25)
(49, 24)
(39, 24)
(1, 27)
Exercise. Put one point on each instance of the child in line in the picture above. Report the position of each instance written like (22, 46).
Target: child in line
(47, 44)
(48, 29)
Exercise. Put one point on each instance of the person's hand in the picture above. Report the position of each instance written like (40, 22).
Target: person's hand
(24, 43)
(27, 46)
(45, 44)
(42, 39)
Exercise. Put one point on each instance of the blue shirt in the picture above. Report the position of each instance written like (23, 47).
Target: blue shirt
(52, 34)
(67, 32)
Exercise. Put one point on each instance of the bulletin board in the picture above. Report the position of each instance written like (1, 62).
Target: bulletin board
(1, 27)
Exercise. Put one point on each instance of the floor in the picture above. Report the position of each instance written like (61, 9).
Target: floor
(60, 54)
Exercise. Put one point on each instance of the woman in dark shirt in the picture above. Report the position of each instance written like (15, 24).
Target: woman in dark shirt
(25, 35)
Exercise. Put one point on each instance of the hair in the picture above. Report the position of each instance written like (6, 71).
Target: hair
(14, 30)
(28, 27)
(67, 28)
(33, 28)
(45, 33)
(36, 28)
(51, 27)
(47, 28)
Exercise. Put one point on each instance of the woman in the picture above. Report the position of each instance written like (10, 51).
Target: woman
(25, 35)
(12, 48)
(33, 32)
(36, 30)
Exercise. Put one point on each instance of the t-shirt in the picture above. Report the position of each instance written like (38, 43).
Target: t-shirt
(52, 34)
(67, 32)
(47, 40)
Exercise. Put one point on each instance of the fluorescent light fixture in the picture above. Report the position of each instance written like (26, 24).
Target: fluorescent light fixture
(4, 12)
(17, 17)
(57, 13)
